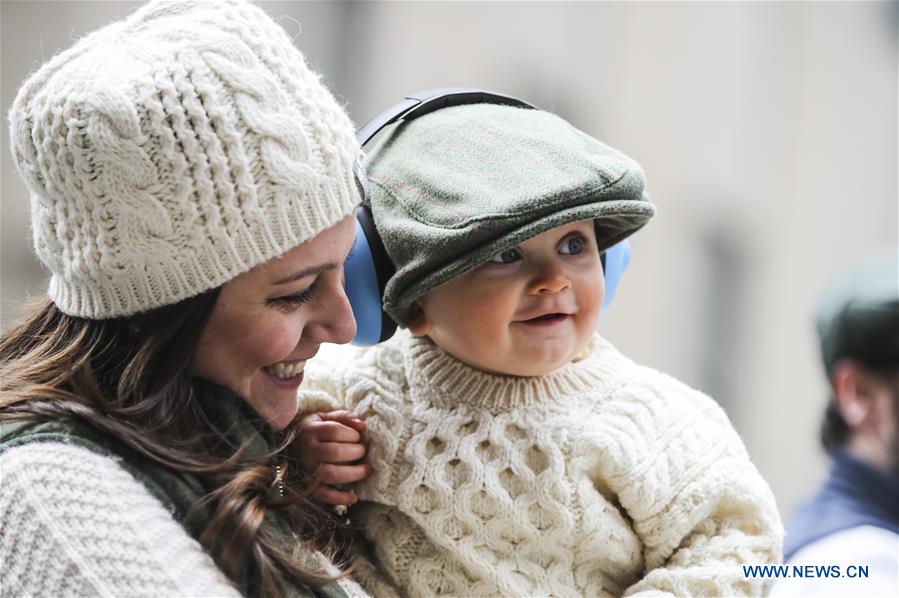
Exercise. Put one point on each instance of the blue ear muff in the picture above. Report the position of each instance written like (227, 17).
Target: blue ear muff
(363, 291)
(367, 270)
(615, 261)
(368, 267)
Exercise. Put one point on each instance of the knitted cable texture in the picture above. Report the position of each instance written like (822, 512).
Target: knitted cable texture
(75, 523)
(169, 152)
(603, 478)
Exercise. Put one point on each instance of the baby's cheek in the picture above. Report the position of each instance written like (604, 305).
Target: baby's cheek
(590, 294)
(485, 328)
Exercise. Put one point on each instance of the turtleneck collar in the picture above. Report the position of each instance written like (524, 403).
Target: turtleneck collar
(446, 381)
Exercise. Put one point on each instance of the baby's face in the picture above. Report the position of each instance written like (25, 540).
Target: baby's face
(527, 312)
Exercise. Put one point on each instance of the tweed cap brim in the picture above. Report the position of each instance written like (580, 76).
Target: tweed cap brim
(453, 188)
(614, 221)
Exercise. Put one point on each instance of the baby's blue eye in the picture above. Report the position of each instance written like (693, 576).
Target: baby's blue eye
(573, 246)
(507, 257)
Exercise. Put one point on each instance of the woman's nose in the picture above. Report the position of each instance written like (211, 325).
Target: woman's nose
(336, 322)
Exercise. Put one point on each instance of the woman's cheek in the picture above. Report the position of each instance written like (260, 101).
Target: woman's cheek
(275, 343)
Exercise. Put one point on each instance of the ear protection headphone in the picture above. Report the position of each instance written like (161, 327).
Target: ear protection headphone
(368, 267)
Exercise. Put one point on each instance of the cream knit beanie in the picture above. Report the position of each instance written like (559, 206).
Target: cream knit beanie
(169, 152)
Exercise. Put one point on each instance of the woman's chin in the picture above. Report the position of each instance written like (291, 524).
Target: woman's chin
(275, 399)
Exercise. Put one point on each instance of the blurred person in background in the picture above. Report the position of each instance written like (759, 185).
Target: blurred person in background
(853, 519)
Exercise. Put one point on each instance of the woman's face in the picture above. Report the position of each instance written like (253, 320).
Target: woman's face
(269, 321)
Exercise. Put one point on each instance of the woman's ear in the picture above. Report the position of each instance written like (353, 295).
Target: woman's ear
(418, 323)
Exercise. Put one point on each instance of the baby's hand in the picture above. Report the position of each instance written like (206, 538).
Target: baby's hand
(329, 444)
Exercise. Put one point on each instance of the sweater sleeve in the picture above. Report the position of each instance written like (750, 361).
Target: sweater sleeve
(370, 383)
(678, 469)
(75, 523)
(325, 379)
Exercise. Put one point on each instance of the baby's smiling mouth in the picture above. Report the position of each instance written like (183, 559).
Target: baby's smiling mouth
(546, 319)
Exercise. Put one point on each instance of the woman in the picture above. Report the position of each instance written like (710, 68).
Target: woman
(192, 194)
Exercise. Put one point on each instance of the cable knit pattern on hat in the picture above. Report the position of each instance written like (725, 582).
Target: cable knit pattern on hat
(169, 152)
(603, 478)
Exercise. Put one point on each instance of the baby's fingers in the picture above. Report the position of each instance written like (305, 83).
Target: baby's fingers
(347, 418)
(332, 431)
(330, 473)
(332, 496)
(339, 452)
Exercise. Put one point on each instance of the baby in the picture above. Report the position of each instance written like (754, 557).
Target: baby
(512, 450)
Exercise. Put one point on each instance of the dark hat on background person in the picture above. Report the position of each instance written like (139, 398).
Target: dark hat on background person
(452, 189)
(858, 317)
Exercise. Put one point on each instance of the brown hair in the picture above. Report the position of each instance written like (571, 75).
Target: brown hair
(130, 377)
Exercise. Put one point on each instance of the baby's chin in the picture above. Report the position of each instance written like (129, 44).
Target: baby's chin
(535, 369)
(512, 354)
(512, 363)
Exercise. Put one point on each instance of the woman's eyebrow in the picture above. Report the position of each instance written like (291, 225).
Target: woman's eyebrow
(306, 272)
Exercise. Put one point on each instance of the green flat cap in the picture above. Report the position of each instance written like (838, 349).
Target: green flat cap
(452, 189)
(858, 317)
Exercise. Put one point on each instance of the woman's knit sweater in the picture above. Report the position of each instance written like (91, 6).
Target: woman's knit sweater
(603, 478)
(76, 523)
(80, 515)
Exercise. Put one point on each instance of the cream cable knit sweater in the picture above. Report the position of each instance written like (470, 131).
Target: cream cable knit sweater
(604, 478)
(75, 523)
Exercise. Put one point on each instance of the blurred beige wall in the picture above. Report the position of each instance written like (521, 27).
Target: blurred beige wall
(768, 131)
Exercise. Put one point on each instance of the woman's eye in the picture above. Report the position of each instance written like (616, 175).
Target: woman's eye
(298, 298)
(573, 246)
(506, 257)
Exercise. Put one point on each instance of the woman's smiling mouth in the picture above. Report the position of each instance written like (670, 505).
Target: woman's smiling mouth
(286, 375)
